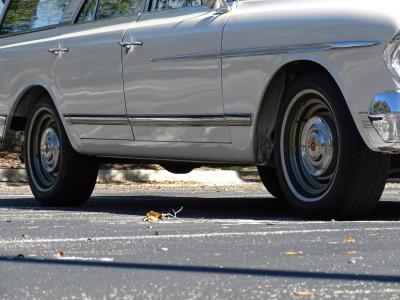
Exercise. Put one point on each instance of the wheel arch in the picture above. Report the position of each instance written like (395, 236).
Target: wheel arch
(24, 104)
(274, 90)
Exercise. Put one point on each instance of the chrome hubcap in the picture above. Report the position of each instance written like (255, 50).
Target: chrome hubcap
(44, 150)
(309, 146)
(316, 146)
(49, 150)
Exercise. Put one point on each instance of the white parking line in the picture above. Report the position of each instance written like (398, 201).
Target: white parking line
(195, 235)
(106, 259)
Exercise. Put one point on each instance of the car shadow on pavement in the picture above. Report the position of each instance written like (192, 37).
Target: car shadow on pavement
(193, 207)
(209, 269)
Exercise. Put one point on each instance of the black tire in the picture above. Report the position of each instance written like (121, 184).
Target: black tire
(325, 169)
(58, 175)
(269, 178)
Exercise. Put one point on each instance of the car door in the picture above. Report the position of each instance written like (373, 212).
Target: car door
(89, 69)
(172, 74)
(28, 28)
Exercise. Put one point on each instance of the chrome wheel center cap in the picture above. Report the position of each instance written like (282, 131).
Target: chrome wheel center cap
(49, 150)
(313, 145)
(316, 146)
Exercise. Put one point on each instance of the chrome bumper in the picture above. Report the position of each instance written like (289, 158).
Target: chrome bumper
(383, 122)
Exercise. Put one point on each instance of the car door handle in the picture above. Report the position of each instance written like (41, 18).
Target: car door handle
(131, 44)
(58, 51)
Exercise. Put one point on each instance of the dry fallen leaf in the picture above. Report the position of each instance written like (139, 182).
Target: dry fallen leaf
(303, 293)
(153, 216)
(293, 252)
(156, 232)
(349, 240)
(59, 254)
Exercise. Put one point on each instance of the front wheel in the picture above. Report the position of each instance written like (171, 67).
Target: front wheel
(324, 167)
(58, 175)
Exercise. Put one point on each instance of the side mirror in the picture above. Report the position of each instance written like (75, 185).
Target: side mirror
(220, 6)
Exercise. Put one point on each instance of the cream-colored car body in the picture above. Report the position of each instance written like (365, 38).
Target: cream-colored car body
(193, 89)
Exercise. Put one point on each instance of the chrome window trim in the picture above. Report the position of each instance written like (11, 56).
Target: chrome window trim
(210, 120)
(2, 13)
(249, 52)
(122, 19)
(29, 31)
(153, 11)
(83, 2)
(78, 11)
(75, 7)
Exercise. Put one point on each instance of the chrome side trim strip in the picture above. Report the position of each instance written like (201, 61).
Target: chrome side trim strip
(196, 56)
(353, 44)
(297, 48)
(270, 50)
(163, 120)
(96, 120)
(239, 119)
(176, 120)
(192, 120)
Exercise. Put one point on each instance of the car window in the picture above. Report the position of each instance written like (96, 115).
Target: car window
(1, 6)
(171, 4)
(25, 15)
(107, 9)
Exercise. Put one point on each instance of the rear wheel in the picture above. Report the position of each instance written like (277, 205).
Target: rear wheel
(57, 174)
(324, 167)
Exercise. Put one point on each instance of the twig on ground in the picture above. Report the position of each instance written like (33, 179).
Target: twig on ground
(174, 216)
(157, 216)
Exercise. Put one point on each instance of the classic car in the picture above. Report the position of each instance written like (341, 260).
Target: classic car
(306, 90)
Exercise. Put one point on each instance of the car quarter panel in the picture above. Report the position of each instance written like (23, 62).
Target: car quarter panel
(281, 27)
(26, 62)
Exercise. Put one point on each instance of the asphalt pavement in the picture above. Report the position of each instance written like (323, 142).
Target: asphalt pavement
(227, 242)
